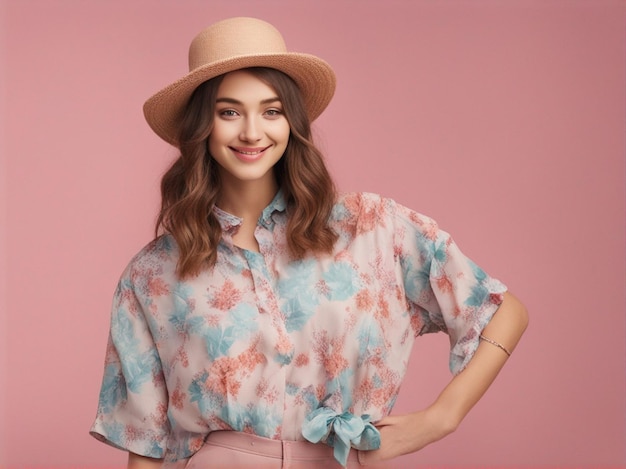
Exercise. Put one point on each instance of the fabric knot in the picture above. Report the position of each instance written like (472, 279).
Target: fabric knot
(341, 432)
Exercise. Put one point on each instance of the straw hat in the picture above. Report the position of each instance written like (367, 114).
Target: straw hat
(234, 44)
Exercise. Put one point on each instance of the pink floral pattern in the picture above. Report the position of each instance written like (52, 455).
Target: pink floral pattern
(260, 341)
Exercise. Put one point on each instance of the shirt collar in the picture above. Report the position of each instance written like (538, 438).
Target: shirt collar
(278, 204)
(230, 222)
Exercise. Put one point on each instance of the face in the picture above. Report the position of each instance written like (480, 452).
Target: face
(250, 131)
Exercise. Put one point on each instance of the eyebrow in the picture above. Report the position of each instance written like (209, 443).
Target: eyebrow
(235, 101)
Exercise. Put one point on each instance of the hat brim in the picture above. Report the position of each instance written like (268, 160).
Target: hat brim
(314, 77)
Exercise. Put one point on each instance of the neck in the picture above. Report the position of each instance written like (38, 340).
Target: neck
(247, 199)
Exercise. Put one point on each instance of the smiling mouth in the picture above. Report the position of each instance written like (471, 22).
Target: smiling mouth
(249, 151)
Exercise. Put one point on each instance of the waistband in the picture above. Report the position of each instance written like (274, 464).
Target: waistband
(279, 449)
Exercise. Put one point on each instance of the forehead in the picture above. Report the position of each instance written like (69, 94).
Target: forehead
(245, 87)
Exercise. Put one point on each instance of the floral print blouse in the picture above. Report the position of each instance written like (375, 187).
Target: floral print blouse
(260, 342)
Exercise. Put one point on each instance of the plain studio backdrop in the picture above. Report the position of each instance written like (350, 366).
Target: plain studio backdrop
(503, 120)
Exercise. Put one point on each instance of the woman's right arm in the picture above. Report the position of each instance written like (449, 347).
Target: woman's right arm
(141, 462)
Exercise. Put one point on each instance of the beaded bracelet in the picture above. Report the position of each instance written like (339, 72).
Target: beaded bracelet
(493, 342)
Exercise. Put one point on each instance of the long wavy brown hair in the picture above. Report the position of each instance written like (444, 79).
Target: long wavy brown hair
(190, 187)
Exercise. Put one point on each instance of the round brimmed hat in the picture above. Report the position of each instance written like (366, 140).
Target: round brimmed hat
(234, 44)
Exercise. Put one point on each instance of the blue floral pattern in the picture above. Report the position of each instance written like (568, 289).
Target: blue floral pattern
(263, 343)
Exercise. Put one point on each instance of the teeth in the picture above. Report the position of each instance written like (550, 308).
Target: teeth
(249, 153)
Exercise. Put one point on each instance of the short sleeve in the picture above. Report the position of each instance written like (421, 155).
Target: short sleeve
(446, 290)
(132, 407)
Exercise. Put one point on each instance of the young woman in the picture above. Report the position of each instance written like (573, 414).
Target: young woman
(271, 322)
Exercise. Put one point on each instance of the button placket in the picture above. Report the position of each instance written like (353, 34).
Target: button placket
(268, 304)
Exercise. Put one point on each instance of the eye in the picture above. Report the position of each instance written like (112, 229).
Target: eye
(274, 112)
(228, 113)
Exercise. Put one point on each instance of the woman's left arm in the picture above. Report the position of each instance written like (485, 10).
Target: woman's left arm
(402, 434)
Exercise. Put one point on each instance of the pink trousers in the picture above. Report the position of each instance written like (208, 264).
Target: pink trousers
(235, 450)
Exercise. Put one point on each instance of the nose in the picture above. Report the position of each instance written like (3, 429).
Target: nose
(251, 131)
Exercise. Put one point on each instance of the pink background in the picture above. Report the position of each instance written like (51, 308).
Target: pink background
(504, 120)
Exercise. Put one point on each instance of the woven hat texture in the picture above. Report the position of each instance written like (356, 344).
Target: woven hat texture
(230, 45)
